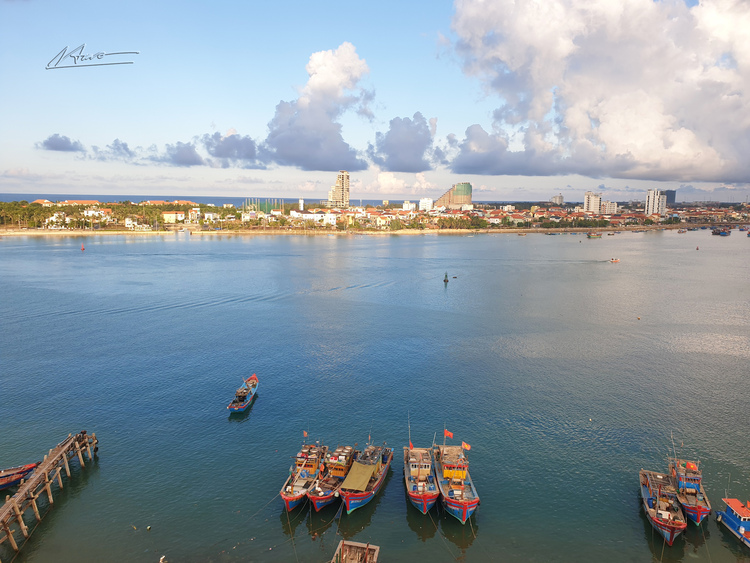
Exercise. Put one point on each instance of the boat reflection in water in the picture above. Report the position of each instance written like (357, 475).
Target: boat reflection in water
(355, 522)
(241, 416)
(462, 536)
(421, 524)
(291, 521)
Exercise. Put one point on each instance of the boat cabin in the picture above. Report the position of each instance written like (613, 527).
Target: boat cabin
(339, 461)
(372, 455)
(453, 462)
(687, 474)
(307, 460)
(739, 510)
(420, 464)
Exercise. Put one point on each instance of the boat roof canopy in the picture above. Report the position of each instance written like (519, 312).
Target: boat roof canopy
(738, 507)
(358, 477)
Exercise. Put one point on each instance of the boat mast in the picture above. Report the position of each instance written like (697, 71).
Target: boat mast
(676, 468)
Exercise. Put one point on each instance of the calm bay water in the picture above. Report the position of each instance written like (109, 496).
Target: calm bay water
(534, 354)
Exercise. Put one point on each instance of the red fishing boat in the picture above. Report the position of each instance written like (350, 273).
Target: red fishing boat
(12, 476)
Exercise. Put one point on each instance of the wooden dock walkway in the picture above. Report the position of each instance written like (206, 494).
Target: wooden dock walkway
(40, 482)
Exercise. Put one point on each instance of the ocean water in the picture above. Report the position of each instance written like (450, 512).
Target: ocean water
(564, 372)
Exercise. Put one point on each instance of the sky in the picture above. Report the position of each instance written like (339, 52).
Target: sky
(524, 99)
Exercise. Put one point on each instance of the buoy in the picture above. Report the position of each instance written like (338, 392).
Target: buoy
(639, 318)
(148, 528)
(82, 249)
(697, 248)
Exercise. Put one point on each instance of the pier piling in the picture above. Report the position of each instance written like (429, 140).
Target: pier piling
(41, 482)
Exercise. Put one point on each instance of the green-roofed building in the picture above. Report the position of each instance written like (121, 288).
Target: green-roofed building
(455, 198)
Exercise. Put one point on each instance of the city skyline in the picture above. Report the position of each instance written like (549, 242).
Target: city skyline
(524, 102)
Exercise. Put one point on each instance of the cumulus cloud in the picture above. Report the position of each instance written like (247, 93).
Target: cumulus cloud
(306, 132)
(232, 149)
(405, 146)
(630, 89)
(181, 154)
(387, 183)
(118, 150)
(62, 143)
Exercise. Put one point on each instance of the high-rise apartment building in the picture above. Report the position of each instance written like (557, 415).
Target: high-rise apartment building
(656, 202)
(455, 198)
(425, 204)
(592, 203)
(557, 199)
(338, 195)
(609, 208)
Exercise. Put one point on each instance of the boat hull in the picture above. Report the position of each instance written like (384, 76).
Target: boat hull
(292, 501)
(731, 524)
(11, 477)
(321, 501)
(668, 527)
(460, 509)
(354, 500)
(424, 501)
(243, 406)
(696, 513)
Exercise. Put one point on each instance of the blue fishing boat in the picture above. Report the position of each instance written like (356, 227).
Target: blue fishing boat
(736, 519)
(13, 476)
(302, 475)
(366, 476)
(331, 477)
(244, 395)
(661, 505)
(419, 478)
(457, 491)
(690, 492)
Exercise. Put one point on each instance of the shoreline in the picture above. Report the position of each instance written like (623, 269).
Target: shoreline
(315, 232)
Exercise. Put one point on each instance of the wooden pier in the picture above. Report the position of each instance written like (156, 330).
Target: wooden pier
(40, 483)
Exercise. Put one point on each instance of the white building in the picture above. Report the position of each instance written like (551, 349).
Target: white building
(425, 204)
(656, 202)
(338, 195)
(609, 208)
(592, 203)
(409, 206)
(557, 199)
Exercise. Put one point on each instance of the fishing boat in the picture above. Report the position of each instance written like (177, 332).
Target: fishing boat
(366, 476)
(420, 481)
(682, 231)
(332, 474)
(244, 395)
(355, 552)
(661, 505)
(614, 260)
(690, 491)
(592, 234)
(12, 476)
(457, 491)
(302, 474)
(736, 519)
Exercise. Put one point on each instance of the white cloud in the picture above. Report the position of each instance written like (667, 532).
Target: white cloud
(629, 89)
(306, 132)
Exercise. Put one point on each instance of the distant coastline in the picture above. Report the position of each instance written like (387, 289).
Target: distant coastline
(16, 232)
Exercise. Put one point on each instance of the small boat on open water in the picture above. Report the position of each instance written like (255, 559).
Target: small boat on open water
(614, 260)
(13, 476)
(302, 474)
(355, 552)
(736, 519)
(457, 491)
(690, 492)
(366, 476)
(419, 478)
(328, 484)
(592, 234)
(661, 505)
(244, 395)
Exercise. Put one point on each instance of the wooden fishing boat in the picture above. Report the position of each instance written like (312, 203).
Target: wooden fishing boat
(419, 478)
(302, 474)
(690, 492)
(12, 476)
(661, 506)
(593, 234)
(355, 552)
(457, 491)
(366, 476)
(614, 260)
(736, 519)
(331, 476)
(244, 395)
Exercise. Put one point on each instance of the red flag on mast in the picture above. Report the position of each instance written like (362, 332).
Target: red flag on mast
(304, 433)
(411, 446)
(465, 446)
(447, 433)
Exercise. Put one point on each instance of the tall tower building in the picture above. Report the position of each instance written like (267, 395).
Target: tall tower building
(458, 196)
(338, 195)
(592, 203)
(656, 202)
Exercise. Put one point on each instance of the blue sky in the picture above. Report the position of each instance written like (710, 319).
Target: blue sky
(525, 100)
